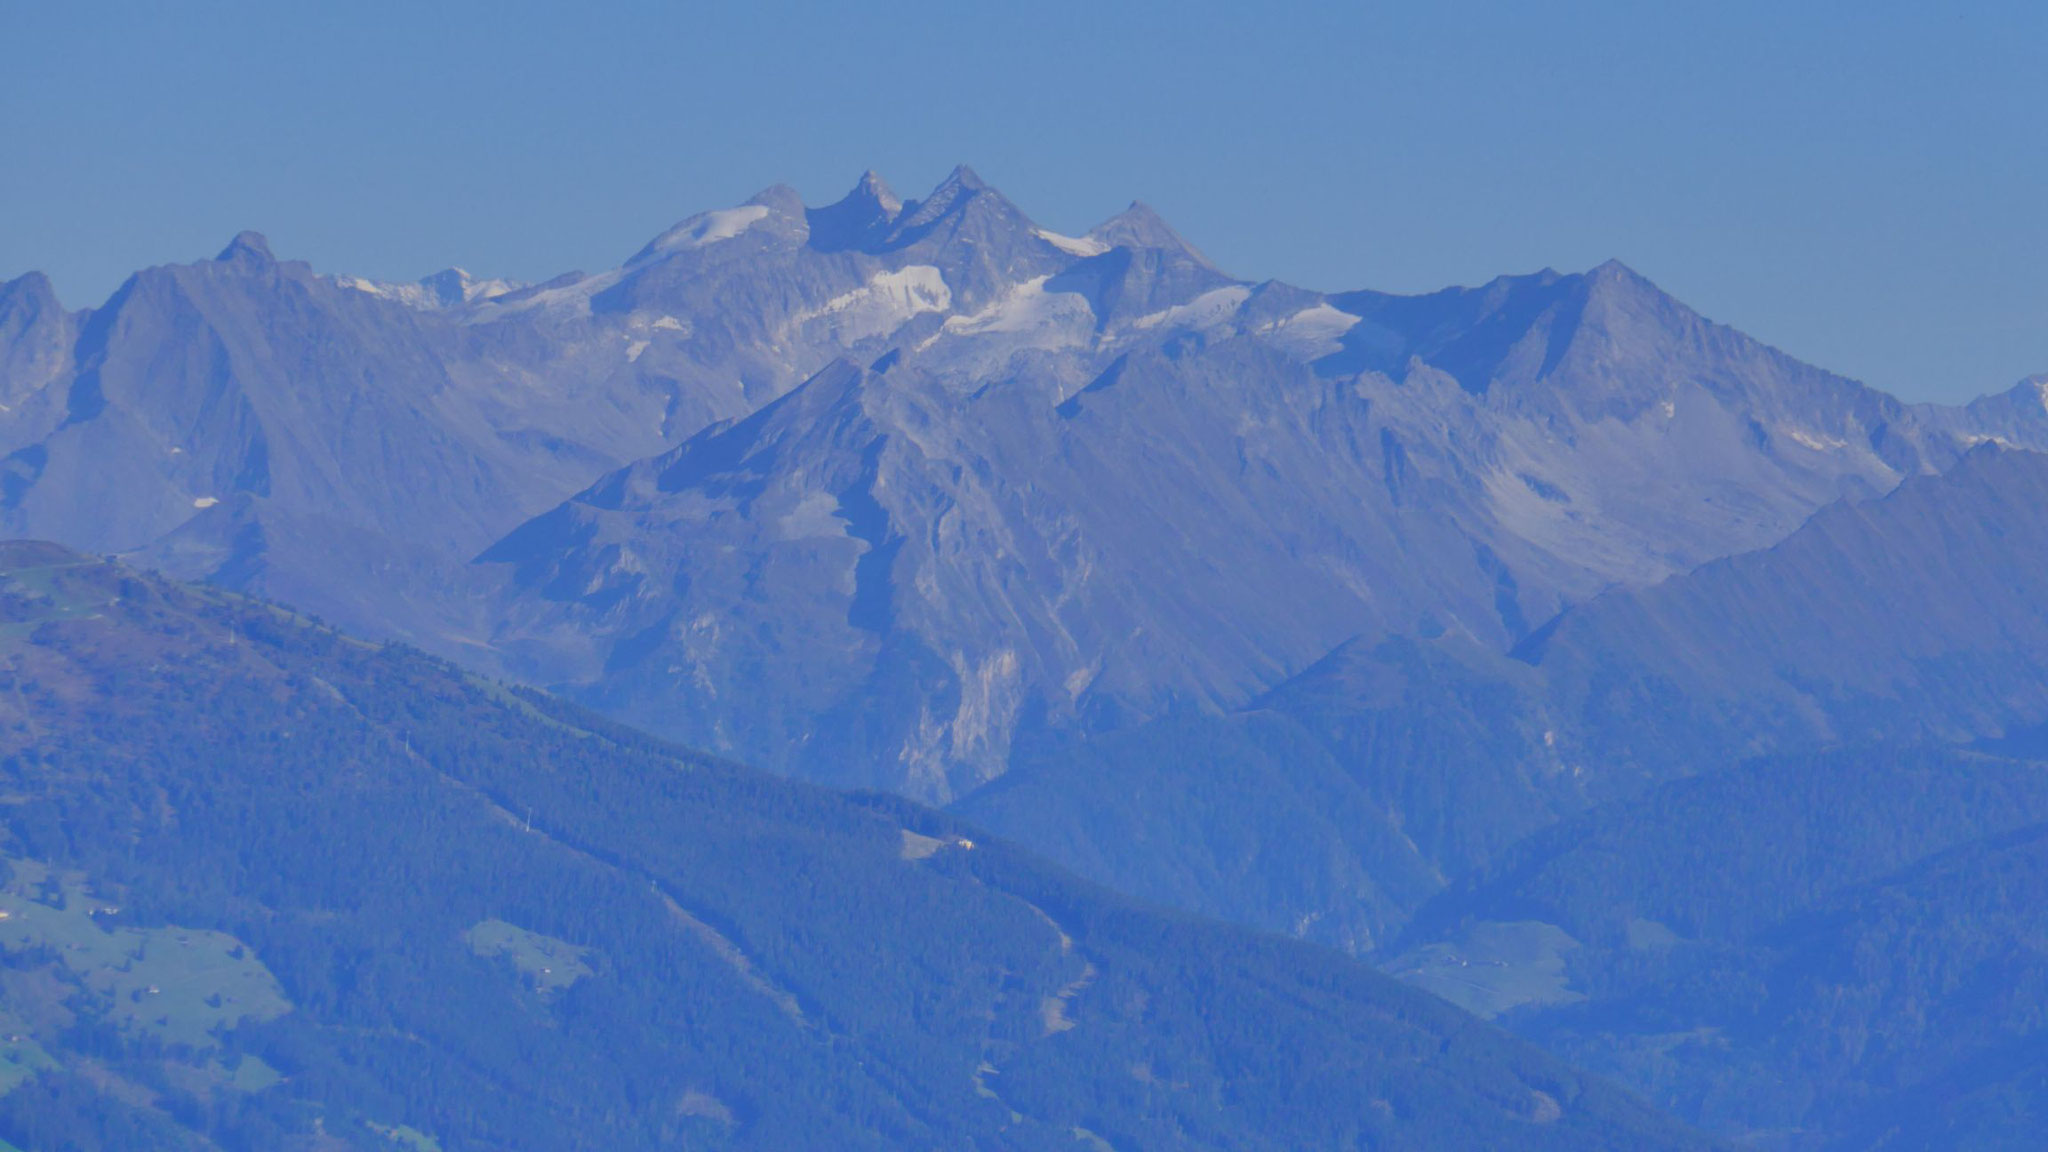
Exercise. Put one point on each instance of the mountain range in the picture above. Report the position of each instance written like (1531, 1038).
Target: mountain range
(1670, 702)
(889, 487)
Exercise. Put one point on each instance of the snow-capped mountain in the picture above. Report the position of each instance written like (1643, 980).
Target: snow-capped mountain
(1060, 482)
(874, 490)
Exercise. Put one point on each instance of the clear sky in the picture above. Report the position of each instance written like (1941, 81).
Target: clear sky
(1863, 184)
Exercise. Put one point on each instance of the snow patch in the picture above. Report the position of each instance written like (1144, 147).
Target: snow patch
(206, 502)
(817, 515)
(1817, 443)
(1311, 332)
(1079, 679)
(1072, 245)
(1205, 311)
(372, 287)
(634, 349)
(415, 296)
(708, 228)
(887, 300)
(671, 324)
(1325, 320)
(441, 290)
(1026, 308)
(572, 298)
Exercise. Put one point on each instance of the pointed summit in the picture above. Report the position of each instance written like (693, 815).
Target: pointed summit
(30, 290)
(962, 208)
(1140, 227)
(961, 188)
(964, 177)
(876, 190)
(859, 220)
(778, 198)
(1615, 274)
(774, 209)
(448, 286)
(35, 336)
(249, 248)
(1617, 297)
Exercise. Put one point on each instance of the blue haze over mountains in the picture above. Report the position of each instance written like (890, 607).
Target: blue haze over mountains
(850, 433)
(1313, 612)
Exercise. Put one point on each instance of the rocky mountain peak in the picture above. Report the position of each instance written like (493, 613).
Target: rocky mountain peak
(780, 199)
(876, 190)
(1140, 227)
(30, 292)
(448, 287)
(1614, 271)
(860, 219)
(776, 209)
(1616, 285)
(965, 177)
(35, 337)
(962, 193)
(247, 248)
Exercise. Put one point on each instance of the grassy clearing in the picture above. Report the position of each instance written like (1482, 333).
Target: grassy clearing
(551, 964)
(253, 1075)
(45, 582)
(178, 984)
(917, 847)
(406, 1137)
(20, 1059)
(1494, 966)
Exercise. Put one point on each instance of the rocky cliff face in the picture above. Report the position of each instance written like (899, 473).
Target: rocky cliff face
(36, 347)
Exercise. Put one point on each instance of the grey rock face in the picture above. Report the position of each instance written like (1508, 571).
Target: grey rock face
(36, 339)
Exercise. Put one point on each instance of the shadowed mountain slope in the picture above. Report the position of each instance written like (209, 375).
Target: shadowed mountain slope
(1913, 617)
(1838, 951)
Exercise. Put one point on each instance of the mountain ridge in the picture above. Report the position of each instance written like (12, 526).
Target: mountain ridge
(1524, 433)
(1906, 619)
(1526, 443)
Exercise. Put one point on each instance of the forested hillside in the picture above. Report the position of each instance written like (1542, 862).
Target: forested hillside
(1846, 950)
(269, 887)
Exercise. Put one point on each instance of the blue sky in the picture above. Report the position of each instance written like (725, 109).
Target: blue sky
(1861, 184)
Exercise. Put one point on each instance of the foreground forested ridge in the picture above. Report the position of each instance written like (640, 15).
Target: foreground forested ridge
(270, 887)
